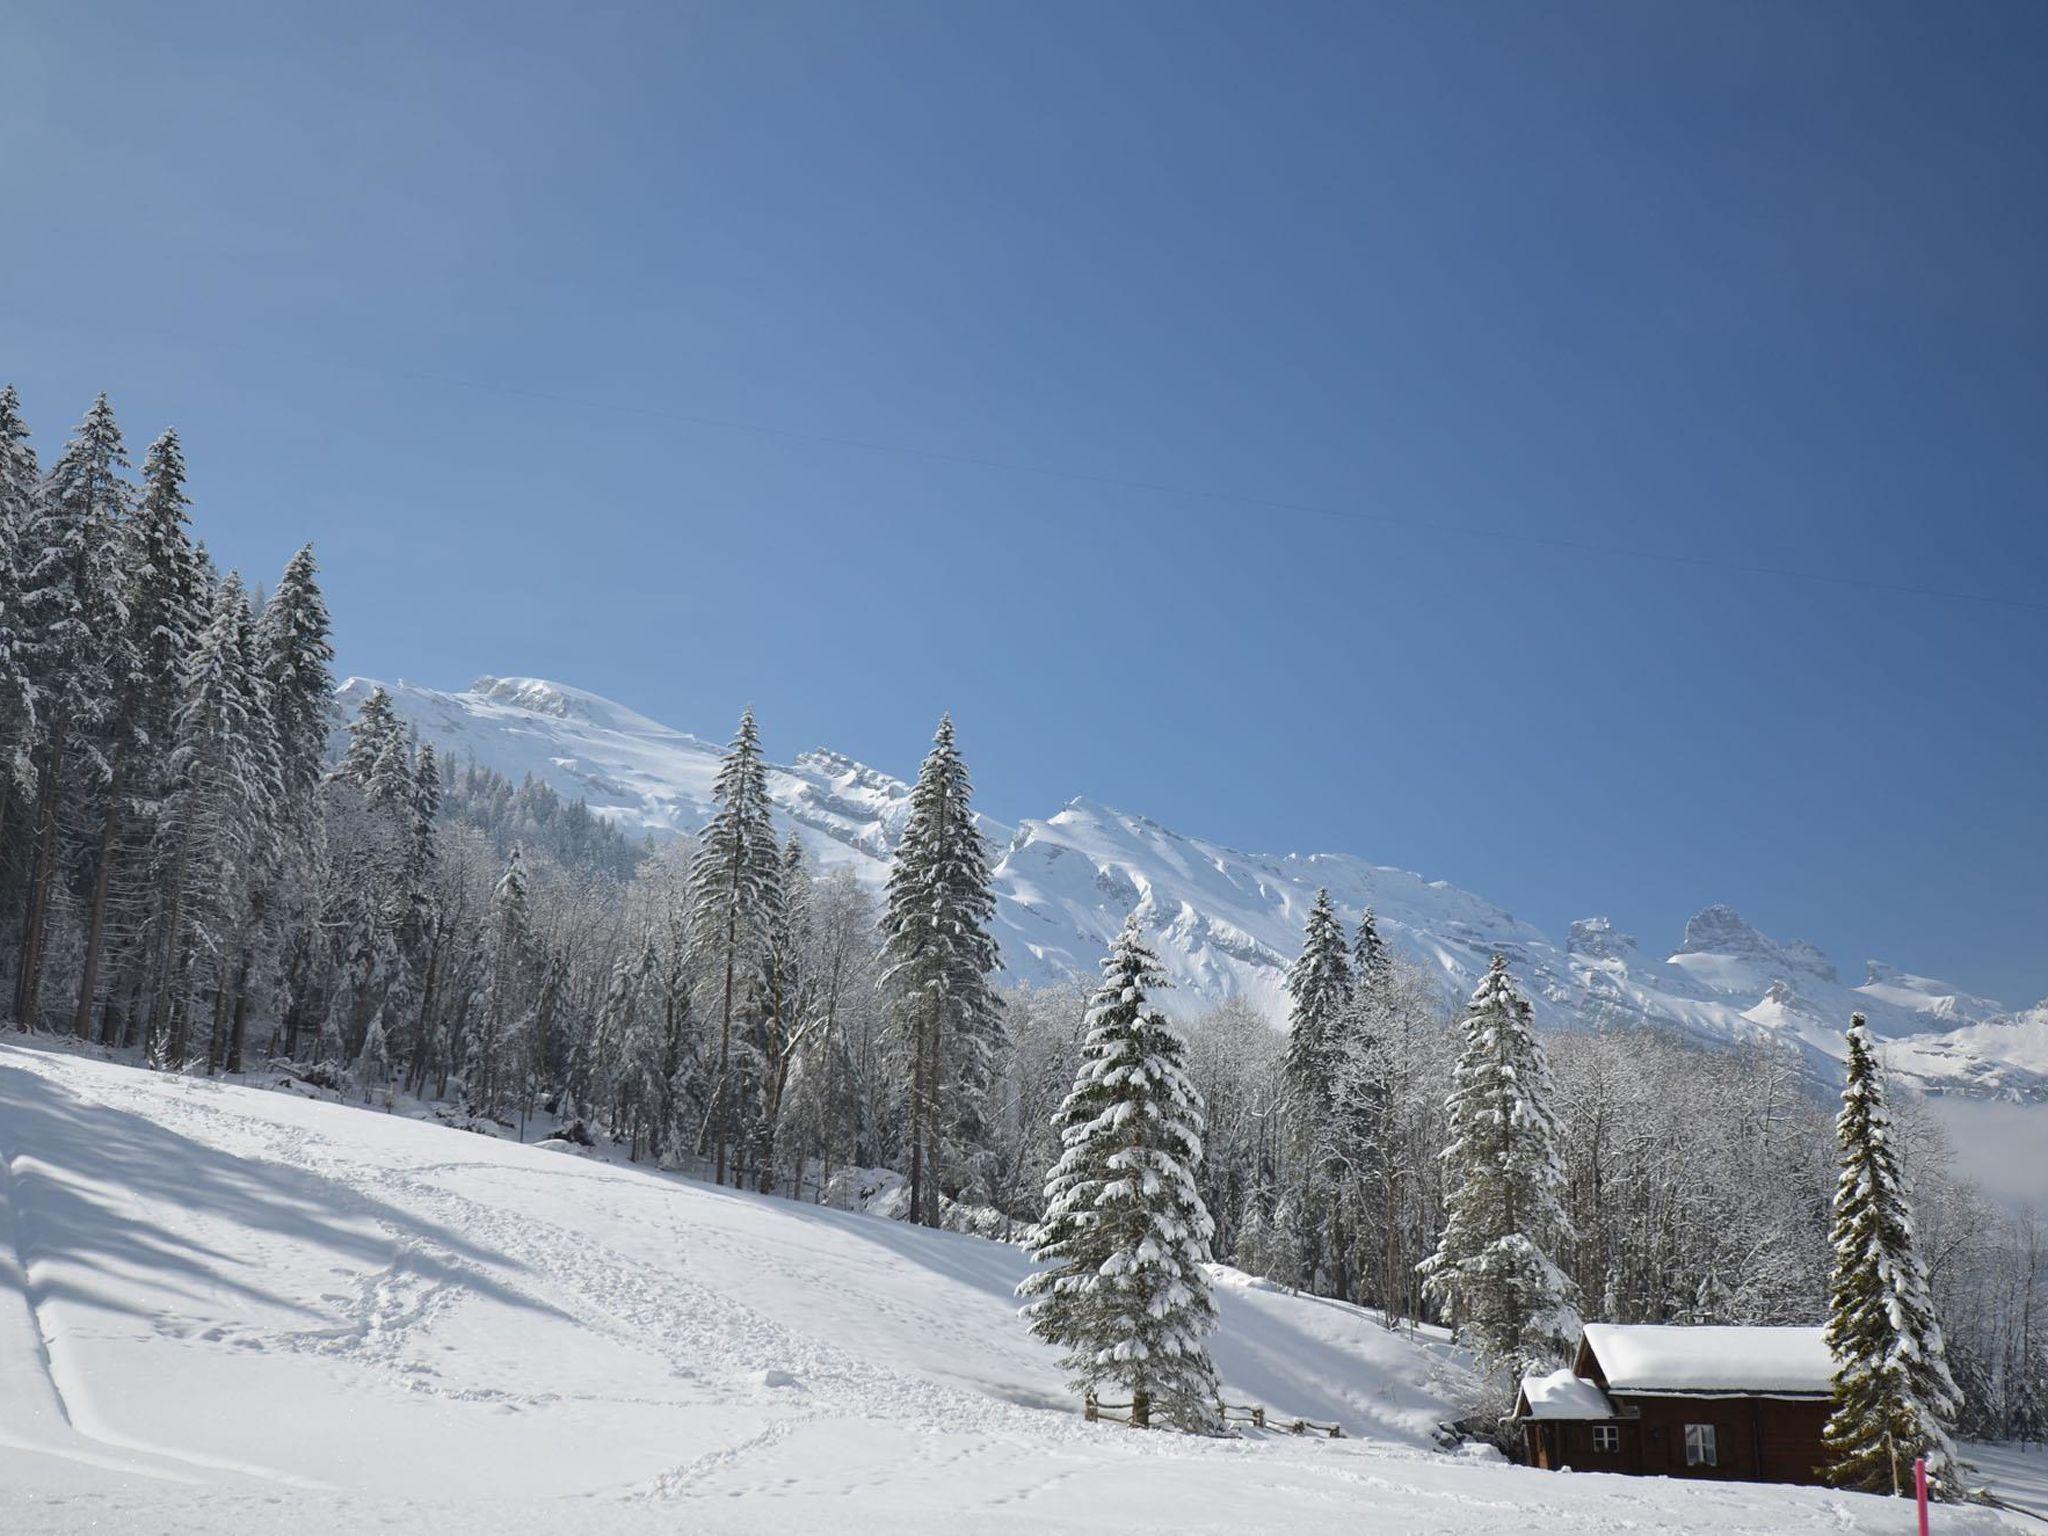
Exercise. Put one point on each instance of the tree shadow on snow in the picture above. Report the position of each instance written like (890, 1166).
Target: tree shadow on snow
(91, 1178)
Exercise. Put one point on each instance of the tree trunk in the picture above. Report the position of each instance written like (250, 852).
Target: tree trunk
(718, 1086)
(28, 979)
(919, 1055)
(217, 1036)
(162, 1025)
(238, 1033)
(416, 1073)
(96, 918)
(296, 967)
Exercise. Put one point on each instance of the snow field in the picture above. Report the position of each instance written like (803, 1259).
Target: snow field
(227, 1309)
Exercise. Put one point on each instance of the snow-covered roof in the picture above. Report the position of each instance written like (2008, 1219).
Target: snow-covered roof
(1561, 1395)
(1652, 1357)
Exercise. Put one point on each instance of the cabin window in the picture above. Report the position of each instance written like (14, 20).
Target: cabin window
(1607, 1438)
(1699, 1446)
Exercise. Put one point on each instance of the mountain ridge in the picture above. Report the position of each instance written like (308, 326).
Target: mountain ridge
(1227, 921)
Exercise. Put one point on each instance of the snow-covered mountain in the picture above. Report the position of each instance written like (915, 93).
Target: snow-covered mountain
(1227, 922)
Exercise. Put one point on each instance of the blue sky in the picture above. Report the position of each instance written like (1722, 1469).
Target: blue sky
(558, 329)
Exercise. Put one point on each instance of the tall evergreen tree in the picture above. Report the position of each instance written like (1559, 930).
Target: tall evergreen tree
(642, 1084)
(938, 958)
(782, 1005)
(208, 837)
(72, 606)
(1372, 963)
(736, 894)
(370, 735)
(162, 619)
(260, 847)
(1319, 986)
(19, 493)
(1492, 1271)
(1894, 1397)
(297, 648)
(419, 926)
(511, 923)
(1125, 1233)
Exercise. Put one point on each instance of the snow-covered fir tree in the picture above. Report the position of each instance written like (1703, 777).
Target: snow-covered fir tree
(1125, 1233)
(20, 482)
(210, 836)
(735, 903)
(1372, 963)
(163, 612)
(297, 648)
(938, 957)
(1319, 989)
(1493, 1272)
(370, 736)
(491, 1063)
(779, 1010)
(1894, 1397)
(641, 1086)
(73, 614)
(254, 898)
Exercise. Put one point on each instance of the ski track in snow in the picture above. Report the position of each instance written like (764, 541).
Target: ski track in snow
(602, 1348)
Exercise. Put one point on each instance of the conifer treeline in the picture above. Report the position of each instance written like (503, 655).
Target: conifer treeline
(185, 874)
(164, 739)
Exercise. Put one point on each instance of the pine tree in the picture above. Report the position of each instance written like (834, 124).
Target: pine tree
(370, 736)
(642, 1087)
(597, 1073)
(162, 618)
(1319, 984)
(72, 606)
(736, 890)
(260, 847)
(511, 922)
(209, 837)
(1372, 963)
(1125, 1232)
(1492, 1271)
(19, 482)
(781, 1013)
(938, 958)
(1894, 1397)
(297, 647)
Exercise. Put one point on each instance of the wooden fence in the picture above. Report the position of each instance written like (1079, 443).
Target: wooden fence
(1254, 1414)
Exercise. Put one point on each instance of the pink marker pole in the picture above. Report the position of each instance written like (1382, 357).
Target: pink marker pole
(1920, 1490)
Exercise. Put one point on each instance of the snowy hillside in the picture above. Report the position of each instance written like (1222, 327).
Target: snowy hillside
(230, 1309)
(1226, 922)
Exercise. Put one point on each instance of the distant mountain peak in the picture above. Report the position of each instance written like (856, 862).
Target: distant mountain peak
(1720, 930)
(1226, 923)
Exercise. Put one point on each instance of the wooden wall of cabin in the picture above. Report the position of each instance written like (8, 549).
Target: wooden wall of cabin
(1756, 1439)
(1772, 1440)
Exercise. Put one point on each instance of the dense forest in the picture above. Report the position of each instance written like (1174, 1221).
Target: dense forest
(202, 867)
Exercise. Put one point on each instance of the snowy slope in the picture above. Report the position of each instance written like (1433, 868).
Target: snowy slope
(1226, 922)
(226, 1309)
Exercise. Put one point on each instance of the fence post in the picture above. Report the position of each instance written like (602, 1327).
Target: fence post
(1088, 1407)
(1920, 1490)
(1141, 1410)
(1258, 1417)
(1301, 1426)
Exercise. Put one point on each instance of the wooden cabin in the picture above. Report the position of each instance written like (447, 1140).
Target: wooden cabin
(1739, 1404)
